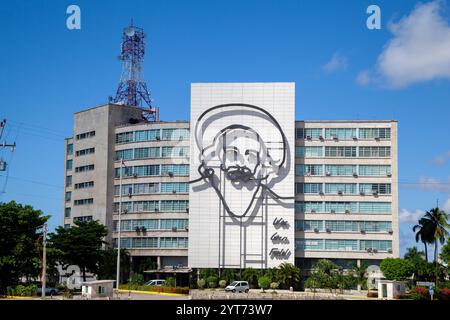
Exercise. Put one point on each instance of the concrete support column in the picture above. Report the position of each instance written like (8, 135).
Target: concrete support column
(158, 262)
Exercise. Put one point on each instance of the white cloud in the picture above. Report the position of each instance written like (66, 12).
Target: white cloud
(410, 216)
(363, 78)
(419, 50)
(336, 63)
(442, 159)
(446, 207)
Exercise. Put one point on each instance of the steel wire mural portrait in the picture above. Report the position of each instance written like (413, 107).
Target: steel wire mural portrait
(242, 154)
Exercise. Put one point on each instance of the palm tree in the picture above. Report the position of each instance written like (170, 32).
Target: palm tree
(360, 273)
(425, 234)
(287, 274)
(251, 276)
(437, 219)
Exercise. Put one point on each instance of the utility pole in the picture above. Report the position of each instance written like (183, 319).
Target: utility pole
(44, 262)
(4, 144)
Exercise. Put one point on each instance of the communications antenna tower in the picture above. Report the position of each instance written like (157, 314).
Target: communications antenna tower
(132, 90)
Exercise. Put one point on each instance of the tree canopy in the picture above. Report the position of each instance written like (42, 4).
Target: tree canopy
(80, 245)
(20, 235)
(396, 268)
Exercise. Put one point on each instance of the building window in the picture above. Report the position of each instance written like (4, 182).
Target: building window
(82, 219)
(340, 170)
(308, 133)
(380, 245)
(68, 181)
(372, 133)
(70, 149)
(341, 245)
(374, 170)
(69, 165)
(175, 169)
(67, 212)
(309, 151)
(85, 135)
(89, 167)
(147, 135)
(340, 188)
(174, 205)
(340, 133)
(68, 196)
(340, 152)
(139, 171)
(168, 224)
(175, 134)
(173, 242)
(309, 225)
(84, 185)
(84, 152)
(167, 187)
(342, 226)
(124, 137)
(308, 244)
(308, 170)
(308, 188)
(341, 207)
(308, 206)
(174, 152)
(375, 207)
(81, 202)
(374, 152)
(67, 226)
(379, 188)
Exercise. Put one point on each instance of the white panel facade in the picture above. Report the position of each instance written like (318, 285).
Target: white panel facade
(242, 171)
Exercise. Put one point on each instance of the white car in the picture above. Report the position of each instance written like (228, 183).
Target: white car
(238, 286)
(156, 282)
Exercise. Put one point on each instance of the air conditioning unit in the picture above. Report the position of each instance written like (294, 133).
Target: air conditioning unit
(333, 211)
(347, 211)
(390, 231)
(335, 138)
(174, 229)
(313, 211)
(187, 210)
(363, 231)
(355, 174)
(355, 138)
(158, 138)
(308, 138)
(375, 250)
(375, 192)
(340, 192)
(321, 138)
(174, 191)
(377, 138)
(143, 229)
(129, 195)
(389, 251)
(369, 249)
(316, 230)
(135, 175)
(362, 193)
(170, 173)
(187, 228)
(137, 229)
(125, 211)
(180, 138)
(389, 175)
(328, 173)
(156, 209)
(328, 230)
(321, 193)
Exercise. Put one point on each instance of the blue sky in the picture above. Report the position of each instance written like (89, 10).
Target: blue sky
(342, 70)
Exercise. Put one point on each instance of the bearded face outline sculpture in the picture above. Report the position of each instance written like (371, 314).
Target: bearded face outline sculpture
(238, 161)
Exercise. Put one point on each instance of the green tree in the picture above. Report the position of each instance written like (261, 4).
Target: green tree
(324, 275)
(20, 232)
(229, 275)
(288, 275)
(251, 276)
(80, 245)
(360, 274)
(414, 255)
(107, 265)
(264, 282)
(445, 252)
(396, 268)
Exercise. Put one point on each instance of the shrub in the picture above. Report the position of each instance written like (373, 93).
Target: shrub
(372, 294)
(420, 293)
(211, 281)
(182, 290)
(274, 285)
(404, 296)
(201, 283)
(137, 279)
(444, 294)
(264, 282)
(222, 283)
(170, 282)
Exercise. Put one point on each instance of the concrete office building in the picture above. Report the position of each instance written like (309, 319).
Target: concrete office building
(265, 189)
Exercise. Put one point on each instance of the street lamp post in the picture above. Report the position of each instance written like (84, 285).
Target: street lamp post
(122, 164)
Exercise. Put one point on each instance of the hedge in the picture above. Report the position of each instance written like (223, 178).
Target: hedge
(181, 290)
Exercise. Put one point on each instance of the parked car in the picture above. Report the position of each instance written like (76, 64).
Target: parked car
(238, 286)
(156, 282)
(49, 291)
